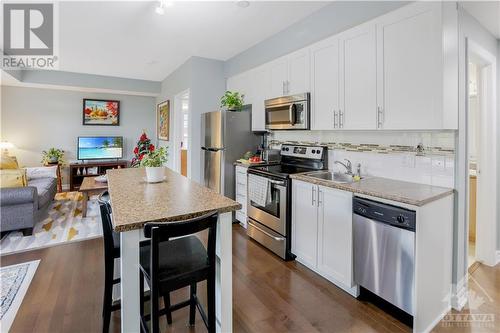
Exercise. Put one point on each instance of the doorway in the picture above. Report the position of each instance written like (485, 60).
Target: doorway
(182, 141)
(481, 156)
(474, 102)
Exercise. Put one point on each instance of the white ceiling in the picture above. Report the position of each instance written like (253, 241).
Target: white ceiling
(485, 12)
(128, 39)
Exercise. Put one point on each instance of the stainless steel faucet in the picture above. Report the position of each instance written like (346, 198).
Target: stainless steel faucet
(347, 166)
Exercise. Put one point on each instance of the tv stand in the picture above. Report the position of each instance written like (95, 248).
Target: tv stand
(78, 171)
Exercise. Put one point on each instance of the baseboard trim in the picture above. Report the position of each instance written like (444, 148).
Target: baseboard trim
(459, 295)
(437, 320)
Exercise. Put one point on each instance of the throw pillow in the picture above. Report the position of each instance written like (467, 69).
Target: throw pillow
(12, 178)
(41, 172)
(8, 162)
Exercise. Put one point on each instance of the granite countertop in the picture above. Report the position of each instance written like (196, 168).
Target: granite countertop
(400, 191)
(135, 202)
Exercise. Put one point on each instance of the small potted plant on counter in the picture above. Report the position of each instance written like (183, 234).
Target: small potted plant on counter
(153, 162)
(232, 101)
(53, 156)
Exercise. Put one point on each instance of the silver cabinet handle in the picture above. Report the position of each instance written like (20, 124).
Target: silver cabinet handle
(380, 113)
(319, 198)
(334, 119)
(313, 194)
(266, 233)
(341, 119)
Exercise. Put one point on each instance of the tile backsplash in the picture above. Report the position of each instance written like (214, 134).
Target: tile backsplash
(386, 154)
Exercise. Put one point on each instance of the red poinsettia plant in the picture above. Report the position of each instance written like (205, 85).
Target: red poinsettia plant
(144, 146)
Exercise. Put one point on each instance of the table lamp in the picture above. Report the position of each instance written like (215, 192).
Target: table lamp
(5, 146)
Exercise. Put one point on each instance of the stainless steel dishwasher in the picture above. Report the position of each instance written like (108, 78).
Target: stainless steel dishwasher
(384, 251)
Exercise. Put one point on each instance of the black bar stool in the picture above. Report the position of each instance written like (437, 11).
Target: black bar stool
(170, 264)
(111, 252)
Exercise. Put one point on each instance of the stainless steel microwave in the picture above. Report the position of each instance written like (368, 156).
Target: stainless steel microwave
(288, 112)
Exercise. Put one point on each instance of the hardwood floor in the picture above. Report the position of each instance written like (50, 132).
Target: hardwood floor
(269, 296)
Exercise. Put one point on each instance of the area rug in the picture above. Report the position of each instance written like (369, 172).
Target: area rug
(15, 282)
(62, 224)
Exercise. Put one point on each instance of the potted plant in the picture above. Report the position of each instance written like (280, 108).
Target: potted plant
(53, 156)
(232, 101)
(153, 162)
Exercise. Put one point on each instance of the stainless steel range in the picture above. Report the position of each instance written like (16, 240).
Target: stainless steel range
(269, 196)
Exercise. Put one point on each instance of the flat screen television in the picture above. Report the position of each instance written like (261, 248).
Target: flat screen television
(100, 147)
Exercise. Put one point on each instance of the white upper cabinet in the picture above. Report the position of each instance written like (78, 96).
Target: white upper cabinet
(299, 74)
(278, 74)
(410, 72)
(325, 92)
(358, 88)
(396, 72)
(261, 80)
(335, 235)
(304, 222)
(242, 84)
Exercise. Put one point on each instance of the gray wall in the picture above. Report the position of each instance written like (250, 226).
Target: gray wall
(329, 20)
(498, 142)
(469, 28)
(36, 119)
(473, 30)
(69, 79)
(206, 83)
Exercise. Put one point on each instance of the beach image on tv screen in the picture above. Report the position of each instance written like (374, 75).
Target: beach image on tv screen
(100, 147)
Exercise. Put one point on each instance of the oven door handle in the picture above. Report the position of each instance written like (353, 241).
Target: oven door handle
(275, 182)
(266, 233)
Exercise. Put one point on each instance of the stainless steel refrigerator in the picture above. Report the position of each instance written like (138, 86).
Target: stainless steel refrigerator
(226, 136)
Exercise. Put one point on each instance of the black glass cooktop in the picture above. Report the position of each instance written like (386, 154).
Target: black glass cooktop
(279, 170)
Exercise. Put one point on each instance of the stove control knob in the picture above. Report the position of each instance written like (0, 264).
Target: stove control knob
(401, 219)
(283, 148)
(314, 151)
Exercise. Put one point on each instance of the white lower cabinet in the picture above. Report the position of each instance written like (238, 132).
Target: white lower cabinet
(304, 222)
(241, 194)
(335, 235)
(322, 232)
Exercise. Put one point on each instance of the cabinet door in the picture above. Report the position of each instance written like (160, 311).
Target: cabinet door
(410, 67)
(335, 235)
(299, 69)
(325, 84)
(304, 222)
(358, 58)
(278, 71)
(261, 81)
(242, 84)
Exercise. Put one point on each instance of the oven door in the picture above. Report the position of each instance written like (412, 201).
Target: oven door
(273, 214)
(287, 116)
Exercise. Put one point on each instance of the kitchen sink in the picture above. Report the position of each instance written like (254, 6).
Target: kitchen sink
(335, 177)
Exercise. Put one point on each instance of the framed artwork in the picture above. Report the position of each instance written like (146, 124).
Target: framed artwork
(98, 112)
(163, 120)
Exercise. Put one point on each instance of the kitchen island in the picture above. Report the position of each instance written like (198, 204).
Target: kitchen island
(135, 202)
